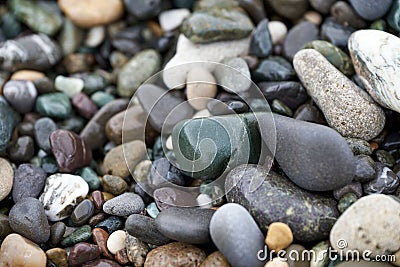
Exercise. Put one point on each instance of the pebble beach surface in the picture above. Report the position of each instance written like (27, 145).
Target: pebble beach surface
(199, 133)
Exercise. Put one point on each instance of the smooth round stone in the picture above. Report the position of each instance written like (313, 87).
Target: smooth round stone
(55, 105)
(23, 150)
(279, 107)
(291, 9)
(57, 232)
(261, 41)
(167, 197)
(101, 98)
(8, 121)
(91, 13)
(21, 95)
(68, 85)
(204, 201)
(274, 69)
(70, 37)
(347, 108)
(42, 129)
(175, 254)
(162, 173)
(27, 217)
(365, 225)
(19, 251)
(6, 178)
(90, 177)
(100, 238)
(200, 87)
(27, 75)
(141, 67)
(343, 13)
(277, 31)
(80, 234)
(124, 205)
(143, 9)
(278, 199)
(82, 212)
(69, 150)
(58, 256)
(152, 210)
(371, 10)
(377, 71)
(188, 225)
(237, 80)
(334, 55)
(116, 241)
(385, 181)
(5, 228)
(95, 36)
(335, 33)
(172, 19)
(28, 182)
(61, 194)
(297, 37)
(111, 224)
(145, 229)
(240, 248)
(84, 105)
(114, 184)
(292, 94)
(393, 18)
(49, 165)
(215, 259)
(279, 236)
(136, 250)
(322, 6)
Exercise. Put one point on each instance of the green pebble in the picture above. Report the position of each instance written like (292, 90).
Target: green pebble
(49, 164)
(393, 17)
(70, 37)
(346, 201)
(334, 55)
(10, 25)
(101, 98)
(152, 210)
(55, 105)
(359, 146)
(279, 107)
(90, 177)
(385, 157)
(79, 235)
(93, 83)
(379, 25)
(320, 258)
(36, 161)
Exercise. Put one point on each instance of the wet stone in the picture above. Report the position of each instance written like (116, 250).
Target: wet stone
(336, 33)
(114, 184)
(82, 253)
(145, 229)
(136, 250)
(54, 105)
(6, 178)
(8, 121)
(100, 238)
(124, 205)
(111, 224)
(292, 94)
(58, 256)
(261, 43)
(84, 105)
(23, 150)
(29, 181)
(21, 95)
(82, 212)
(80, 234)
(42, 130)
(385, 181)
(57, 232)
(297, 37)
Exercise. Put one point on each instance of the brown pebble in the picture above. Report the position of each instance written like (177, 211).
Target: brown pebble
(98, 199)
(215, 259)
(374, 146)
(29, 75)
(69, 150)
(279, 236)
(114, 184)
(82, 253)
(84, 105)
(77, 62)
(100, 238)
(58, 256)
(97, 218)
(122, 257)
(101, 263)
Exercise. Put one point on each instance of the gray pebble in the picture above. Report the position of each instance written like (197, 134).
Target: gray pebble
(28, 182)
(145, 229)
(124, 205)
(42, 130)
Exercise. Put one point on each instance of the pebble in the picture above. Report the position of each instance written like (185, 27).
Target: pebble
(116, 241)
(295, 248)
(384, 182)
(335, 33)
(82, 253)
(145, 229)
(100, 238)
(21, 95)
(393, 17)
(163, 173)
(308, 112)
(84, 105)
(69, 150)
(98, 199)
(215, 259)
(346, 201)
(95, 36)
(22, 150)
(320, 256)
(62, 192)
(172, 19)
(200, 87)
(152, 210)
(273, 69)
(91, 13)
(28, 182)
(8, 121)
(255, 8)
(278, 199)
(57, 232)
(279, 236)
(19, 251)
(350, 110)
(94, 132)
(365, 171)
(204, 201)
(187, 225)
(175, 254)
(343, 13)
(101, 263)
(261, 41)
(359, 146)
(377, 70)
(313, 17)
(298, 36)
(175, 71)
(164, 108)
(27, 75)
(292, 94)
(80, 234)
(27, 218)
(371, 10)
(5, 228)
(68, 85)
(143, 9)
(291, 9)
(365, 225)
(111, 224)
(322, 6)
(58, 256)
(70, 37)
(42, 130)
(239, 248)
(136, 250)
(233, 75)
(124, 205)
(354, 187)
(114, 184)
(140, 68)
(101, 98)
(6, 178)
(54, 105)
(82, 212)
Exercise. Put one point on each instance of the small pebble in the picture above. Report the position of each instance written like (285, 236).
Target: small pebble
(6, 178)
(116, 241)
(124, 205)
(279, 236)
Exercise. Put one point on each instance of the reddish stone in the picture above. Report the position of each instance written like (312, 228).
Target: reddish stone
(85, 106)
(100, 238)
(82, 253)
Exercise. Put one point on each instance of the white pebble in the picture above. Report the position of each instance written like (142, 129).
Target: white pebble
(204, 113)
(278, 31)
(204, 201)
(69, 85)
(95, 36)
(116, 241)
(172, 19)
(168, 143)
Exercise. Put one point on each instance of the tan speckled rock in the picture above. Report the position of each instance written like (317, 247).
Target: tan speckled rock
(347, 108)
(175, 254)
(19, 251)
(215, 259)
(6, 178)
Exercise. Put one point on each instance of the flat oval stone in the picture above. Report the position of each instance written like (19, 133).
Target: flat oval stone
(21, 95)
(116, 241)
(55, 105)
(377, 71)
(28, 182)
(240, 248)
(22, 150)
(114, 184)
(347, 108)
(276, 199)
(124, 205)
(188, 225)
(8, 121)
(70, 151)
(57, 232)
(237, 80)
(175, 254)
(6, 178)
(62, 192)
(370, 9)
(27, 218)
(261, 42)
(145, 229)
(84, 105)
(200, 87)
(82, 253)
(297, 37)
(42, 129)
(364, 223)
(80, 234)
(19, 251)
(58, 256)
(82, 212)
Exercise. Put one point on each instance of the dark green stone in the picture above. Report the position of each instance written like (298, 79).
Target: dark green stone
(55, 105)
(8, 120)
(90, 177)
(279, 107)
(10, 25)
(40, 16)
(274, 69)
(380, 25)
(49, 165)
(81, 234)
(393, 17)
(101, 98)
(334, 55)
(111, 224)
(207, 147)
(70, 37)
(385, 157)
(183, 3)
(346, 201)
(276, 199)
(359, 146)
